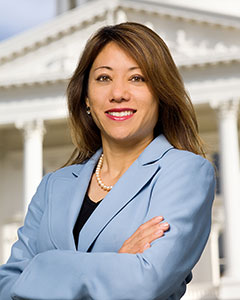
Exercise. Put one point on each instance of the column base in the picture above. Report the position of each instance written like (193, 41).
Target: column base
(229, 289)
(198, 291)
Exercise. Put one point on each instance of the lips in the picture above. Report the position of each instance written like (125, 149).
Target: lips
(120, 114)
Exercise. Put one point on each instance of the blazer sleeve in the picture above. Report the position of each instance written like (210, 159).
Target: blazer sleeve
(187, 191)
(25, 248)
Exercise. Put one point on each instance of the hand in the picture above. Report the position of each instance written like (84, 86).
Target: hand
(142, 238)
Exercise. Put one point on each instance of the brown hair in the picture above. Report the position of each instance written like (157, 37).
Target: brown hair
(177, 120)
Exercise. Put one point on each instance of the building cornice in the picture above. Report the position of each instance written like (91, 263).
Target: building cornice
(192, 15)
(209, 61)
(40, 80)
(64, 77)
(93, 11)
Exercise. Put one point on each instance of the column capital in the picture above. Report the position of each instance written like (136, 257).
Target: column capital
(31, 127)
(226, 108)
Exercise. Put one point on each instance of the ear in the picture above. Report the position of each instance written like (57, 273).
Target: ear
(87, 102)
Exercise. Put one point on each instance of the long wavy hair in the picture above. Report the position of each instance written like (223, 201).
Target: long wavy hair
(176, 120)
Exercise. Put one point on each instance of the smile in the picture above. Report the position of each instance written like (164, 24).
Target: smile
(120, 114)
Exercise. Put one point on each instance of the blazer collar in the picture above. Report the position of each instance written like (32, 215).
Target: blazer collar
(92, 161)
(153, 152)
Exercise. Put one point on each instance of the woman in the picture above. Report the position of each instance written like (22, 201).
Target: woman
(94, 228)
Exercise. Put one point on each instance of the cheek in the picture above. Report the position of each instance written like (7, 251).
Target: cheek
(155, 105)
(156, 110)
(97, 97)
(153, 113)
(92, 93)
(95, 115)
(153, 108)
(97, 112)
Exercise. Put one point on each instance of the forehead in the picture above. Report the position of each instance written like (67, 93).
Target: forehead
(113, 55)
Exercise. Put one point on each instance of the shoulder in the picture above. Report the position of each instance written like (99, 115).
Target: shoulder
(68, 172)
(161, 151)
(184, 159)
(74, 170)
(185, 175)
(186, 168)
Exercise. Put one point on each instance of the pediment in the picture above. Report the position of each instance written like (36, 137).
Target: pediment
(51, 51)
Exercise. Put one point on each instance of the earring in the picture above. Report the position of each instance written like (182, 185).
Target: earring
(88, 110)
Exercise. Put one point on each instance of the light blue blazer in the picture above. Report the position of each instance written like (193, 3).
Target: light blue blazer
(45, 265)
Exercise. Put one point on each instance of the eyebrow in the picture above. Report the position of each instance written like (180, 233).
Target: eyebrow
(111, 69)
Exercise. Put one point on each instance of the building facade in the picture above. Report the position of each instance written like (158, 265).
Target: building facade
(34, 70)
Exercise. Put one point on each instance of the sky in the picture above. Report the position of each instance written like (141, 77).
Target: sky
(18, 15)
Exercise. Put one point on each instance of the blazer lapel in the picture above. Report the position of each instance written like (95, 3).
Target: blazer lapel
(132, 181)
(67, 195)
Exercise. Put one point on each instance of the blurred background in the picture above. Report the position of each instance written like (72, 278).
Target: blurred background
(40, 44)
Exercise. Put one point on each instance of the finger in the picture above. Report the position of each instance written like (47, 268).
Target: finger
(157, 231)
(152, 237)
(140, 243)
(145, 234)
(151, 222)
(145, 226)
(150, 231)
(145, 247)
(139, 249)
(151, 234)
(146, 243)
(164, 226)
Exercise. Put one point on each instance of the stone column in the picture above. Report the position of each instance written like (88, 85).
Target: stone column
(33, 132)
(230, 188)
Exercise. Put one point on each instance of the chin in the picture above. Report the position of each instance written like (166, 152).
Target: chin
(127, 140)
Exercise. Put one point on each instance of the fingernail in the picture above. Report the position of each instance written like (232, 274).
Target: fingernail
(159, 218)
(165, 224)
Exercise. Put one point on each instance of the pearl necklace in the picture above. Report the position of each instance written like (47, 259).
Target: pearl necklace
(99, 180)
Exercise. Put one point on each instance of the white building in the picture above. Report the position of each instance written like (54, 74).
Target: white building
(34, 68)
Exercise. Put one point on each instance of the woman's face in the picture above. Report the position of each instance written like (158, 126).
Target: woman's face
(120, 101)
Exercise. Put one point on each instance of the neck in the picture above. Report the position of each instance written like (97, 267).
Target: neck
(118, 157)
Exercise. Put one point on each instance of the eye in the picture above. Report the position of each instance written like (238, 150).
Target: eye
(137, 78)
(103, 78)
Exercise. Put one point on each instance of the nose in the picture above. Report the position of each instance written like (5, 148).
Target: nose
(119, 91)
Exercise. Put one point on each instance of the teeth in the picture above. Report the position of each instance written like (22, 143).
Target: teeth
(120, 114)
